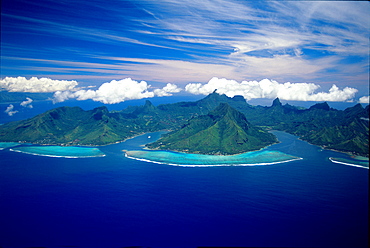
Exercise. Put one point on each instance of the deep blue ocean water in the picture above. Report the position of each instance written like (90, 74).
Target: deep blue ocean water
(114, 201)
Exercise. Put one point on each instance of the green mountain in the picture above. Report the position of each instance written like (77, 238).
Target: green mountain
(72, 125)
(350, 132)
(346, 130)
(223, 131)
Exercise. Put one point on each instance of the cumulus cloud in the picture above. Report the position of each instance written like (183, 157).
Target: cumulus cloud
(34, 84)
(116, 92)
(364, 99)
(271, 89)
(10, 110)
(167, 90)
(27, 103)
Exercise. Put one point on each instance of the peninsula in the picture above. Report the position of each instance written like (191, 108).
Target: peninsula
(224, 131)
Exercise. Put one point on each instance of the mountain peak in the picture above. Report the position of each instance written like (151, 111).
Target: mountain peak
(356, 110)
(215, 96)
(223, 131)
(323, 106)
(224, 109)
(276, 102)
(103, 109)
(148, 105)
(238, 98)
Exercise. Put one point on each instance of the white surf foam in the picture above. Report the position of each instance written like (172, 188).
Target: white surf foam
(349, 164)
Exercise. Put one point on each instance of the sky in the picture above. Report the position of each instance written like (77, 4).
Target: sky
(116, 51)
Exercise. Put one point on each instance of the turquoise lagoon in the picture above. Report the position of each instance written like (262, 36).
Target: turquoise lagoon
(266, 156)
(184, 159)
(285, 151)
(261, 157)
(4, 145)
(60, 151)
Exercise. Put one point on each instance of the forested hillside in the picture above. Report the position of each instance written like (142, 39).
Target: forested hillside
(345, 130)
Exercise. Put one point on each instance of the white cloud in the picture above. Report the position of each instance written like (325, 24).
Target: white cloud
(34, 84)
(116, 92)
(364, 99)
(27, 103)
(167, 90)
(10, 110)
(271, 89)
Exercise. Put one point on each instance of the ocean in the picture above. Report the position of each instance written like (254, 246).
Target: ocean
(115, 201)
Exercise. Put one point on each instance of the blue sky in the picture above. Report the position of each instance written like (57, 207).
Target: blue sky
(114, 51)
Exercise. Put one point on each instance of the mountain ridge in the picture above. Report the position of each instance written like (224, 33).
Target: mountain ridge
(320, 125)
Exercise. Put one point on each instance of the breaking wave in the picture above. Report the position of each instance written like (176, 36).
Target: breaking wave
(355, 163)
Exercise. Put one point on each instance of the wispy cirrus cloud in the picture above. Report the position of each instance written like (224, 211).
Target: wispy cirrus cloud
(78, 32)
(284, 32)
(277, 25)
(175, 41)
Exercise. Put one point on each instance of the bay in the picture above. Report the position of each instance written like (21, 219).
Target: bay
(114, 201)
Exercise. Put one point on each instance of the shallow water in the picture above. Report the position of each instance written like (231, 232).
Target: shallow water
(60, 151)
(183, 159)
(4, 145)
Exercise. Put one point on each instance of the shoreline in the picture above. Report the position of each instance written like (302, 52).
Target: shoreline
(213, 154)
(352, 154)
(328, 149)
(74, 144)
(83, 145)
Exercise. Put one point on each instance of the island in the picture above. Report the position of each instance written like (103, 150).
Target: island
(220, 117)
(223, 131)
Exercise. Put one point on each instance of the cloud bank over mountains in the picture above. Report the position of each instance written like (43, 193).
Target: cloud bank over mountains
(271, 89)
(364, 99)
(34, 84)
(117, 91)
